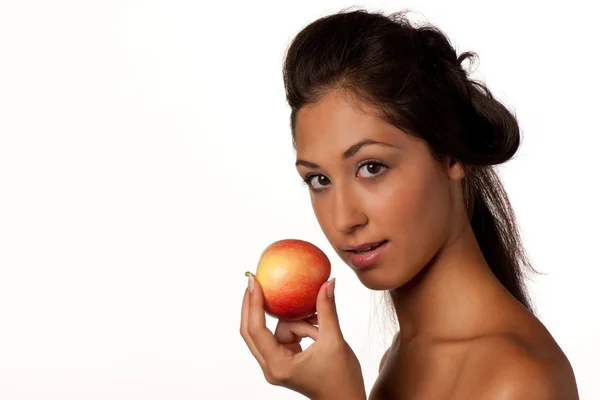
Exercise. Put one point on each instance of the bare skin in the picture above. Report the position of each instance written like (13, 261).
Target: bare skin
(463, 335)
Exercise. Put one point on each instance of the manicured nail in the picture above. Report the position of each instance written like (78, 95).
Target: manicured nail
(250, 281)
(330, 288)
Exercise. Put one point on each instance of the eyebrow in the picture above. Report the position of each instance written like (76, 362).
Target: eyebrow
(351, 151)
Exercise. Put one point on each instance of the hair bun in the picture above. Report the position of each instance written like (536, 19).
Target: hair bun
(493, 130)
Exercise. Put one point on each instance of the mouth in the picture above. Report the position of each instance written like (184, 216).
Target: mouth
(366, 255)
(365, 247)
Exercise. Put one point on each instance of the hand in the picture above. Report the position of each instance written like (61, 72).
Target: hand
(327, 369)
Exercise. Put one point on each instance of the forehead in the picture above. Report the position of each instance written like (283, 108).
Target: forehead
(338, 121)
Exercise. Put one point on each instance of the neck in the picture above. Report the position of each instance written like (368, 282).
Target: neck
(452, 297)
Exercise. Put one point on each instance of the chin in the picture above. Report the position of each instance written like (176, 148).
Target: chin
(376, 279)
(381, 278)
(376, 285)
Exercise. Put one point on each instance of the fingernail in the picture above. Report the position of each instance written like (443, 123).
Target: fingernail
(250, 281)
(330, 288)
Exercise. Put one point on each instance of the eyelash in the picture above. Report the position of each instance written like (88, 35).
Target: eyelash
(306, 180)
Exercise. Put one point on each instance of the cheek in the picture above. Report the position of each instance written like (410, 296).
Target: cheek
(321, 211)
(416, 214)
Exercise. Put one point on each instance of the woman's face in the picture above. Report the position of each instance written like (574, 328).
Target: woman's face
(372, 183)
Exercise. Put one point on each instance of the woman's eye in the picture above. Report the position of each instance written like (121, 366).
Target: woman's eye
(318, 181)
(371, 169)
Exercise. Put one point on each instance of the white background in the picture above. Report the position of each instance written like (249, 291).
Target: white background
(146, 161)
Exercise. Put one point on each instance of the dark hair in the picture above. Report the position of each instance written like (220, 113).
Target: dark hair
(412, 75)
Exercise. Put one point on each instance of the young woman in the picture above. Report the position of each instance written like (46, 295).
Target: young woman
(398, 147)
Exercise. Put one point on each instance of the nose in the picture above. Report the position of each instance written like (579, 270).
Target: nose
(346, 211)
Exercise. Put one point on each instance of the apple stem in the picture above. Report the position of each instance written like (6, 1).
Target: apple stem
(248, 273)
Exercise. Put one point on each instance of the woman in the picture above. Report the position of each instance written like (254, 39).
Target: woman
(397, 146)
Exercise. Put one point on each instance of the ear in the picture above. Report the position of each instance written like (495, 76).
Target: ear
(454, 168)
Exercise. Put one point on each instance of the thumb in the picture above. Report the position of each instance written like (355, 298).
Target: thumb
(329, 324)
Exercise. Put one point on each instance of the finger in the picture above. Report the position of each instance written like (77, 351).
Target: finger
(262, 337)
(294, 332)
(329, 325)
(244, 330)
(313, 319)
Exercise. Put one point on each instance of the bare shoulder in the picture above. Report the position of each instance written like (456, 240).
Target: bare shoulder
(383, 359)
(387, 352)
(507, 367)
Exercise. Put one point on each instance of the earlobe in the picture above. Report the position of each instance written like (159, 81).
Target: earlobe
(455, 169)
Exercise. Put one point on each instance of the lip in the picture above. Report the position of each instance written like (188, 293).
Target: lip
(368, 259)
(362, 246)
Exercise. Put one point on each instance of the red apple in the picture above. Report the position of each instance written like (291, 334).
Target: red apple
(290, 273)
